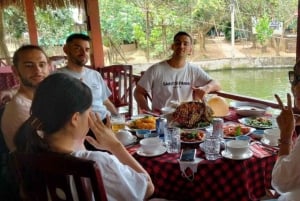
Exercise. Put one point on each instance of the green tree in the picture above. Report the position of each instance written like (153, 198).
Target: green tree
(263, 30)
(14, 24)
(54, 26)
(207, 14)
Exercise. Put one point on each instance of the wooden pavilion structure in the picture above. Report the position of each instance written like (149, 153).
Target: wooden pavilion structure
(91, 8)
(93, 26)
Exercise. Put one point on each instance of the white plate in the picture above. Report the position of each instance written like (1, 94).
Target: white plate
(132, 141)
(237, 104)
(265, 141)
(161, 150)
(249, 111)
(245, 122)
(235, 123)
(228, 155)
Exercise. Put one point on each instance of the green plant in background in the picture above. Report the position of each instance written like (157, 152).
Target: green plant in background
(263, 30)
(151, 24)
(14, 22)
(54, 26)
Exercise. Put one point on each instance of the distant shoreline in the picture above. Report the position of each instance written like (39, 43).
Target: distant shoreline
(234, 63)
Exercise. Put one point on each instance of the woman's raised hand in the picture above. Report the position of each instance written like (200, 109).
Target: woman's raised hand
(105, 137)
(285, 119)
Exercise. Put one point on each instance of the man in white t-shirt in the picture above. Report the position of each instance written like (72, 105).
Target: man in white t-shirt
(31, 66)
(174, 79)
(77, 49)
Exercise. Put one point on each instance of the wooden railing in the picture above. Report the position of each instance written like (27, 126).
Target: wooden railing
(246, 99)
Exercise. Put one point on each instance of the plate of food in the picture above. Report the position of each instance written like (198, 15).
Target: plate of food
(190, 136)
(146, 122)
(193, 114)
(257, 122)
(234, 129)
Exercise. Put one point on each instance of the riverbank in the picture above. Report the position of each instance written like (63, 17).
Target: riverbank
(234, 63)
(219, 54)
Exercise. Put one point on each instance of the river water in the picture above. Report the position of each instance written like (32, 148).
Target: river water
(260, 83)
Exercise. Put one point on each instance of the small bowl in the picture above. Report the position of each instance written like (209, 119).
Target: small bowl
(258, 134)
(143, 133)
(243, 137)
(125, 137)
(237, 147)
(272, 135)
(150, 145)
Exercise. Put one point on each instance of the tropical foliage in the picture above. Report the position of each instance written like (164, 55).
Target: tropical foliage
(150, 24)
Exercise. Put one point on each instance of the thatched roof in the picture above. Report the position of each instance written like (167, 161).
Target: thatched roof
(43, 3)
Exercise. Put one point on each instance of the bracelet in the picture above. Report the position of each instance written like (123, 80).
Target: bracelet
(284, 141)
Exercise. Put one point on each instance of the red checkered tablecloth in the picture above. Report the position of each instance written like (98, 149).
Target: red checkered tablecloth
(223, 179)
(220, 180)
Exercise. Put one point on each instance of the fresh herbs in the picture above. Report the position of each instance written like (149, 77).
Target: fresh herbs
(238, 131)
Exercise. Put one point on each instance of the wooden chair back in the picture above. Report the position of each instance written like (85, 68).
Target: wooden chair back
(44, 175)
(119, 79)
(148, 97)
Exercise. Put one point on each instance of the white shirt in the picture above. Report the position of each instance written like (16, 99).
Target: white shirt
(15, 114)
(166, 83)
(120, 181)
(95, 82)
(286, 175)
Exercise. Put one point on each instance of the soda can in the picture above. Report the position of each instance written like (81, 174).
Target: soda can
(218, 127)
(161, 123)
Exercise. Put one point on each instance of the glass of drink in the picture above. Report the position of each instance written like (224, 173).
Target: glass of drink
(212, 148)
(118, 122)
(172, 139)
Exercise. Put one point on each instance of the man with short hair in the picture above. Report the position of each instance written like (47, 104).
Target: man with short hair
(31, 66)
(174, 79)
(77, 49)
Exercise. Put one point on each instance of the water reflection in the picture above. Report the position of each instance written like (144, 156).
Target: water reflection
(259, 83)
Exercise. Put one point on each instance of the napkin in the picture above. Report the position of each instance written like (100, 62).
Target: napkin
(262, 151)
(189, 168)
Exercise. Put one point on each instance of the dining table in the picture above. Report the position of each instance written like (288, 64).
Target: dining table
(214, 180)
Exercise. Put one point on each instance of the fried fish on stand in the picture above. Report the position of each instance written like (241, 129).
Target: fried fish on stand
(190, 114)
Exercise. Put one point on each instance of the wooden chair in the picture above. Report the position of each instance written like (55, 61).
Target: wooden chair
(51, 174)
(119, 79)
(148, 97)
(57, 62)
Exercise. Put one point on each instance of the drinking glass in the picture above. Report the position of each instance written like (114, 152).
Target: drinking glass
(212, 148)
(118, 122)
(172, 139)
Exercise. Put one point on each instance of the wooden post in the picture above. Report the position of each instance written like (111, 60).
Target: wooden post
(94, 29)
(298, 33)
(29, 12)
